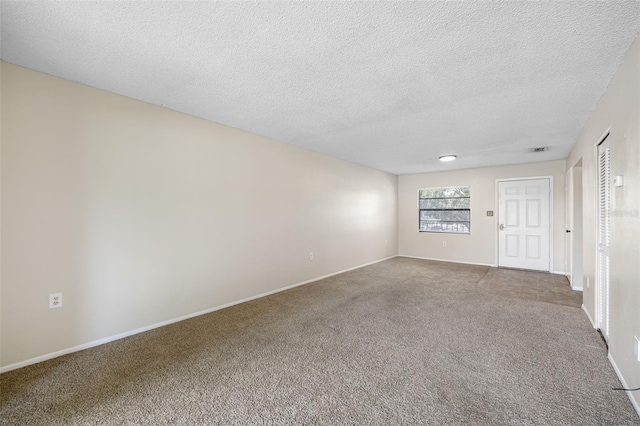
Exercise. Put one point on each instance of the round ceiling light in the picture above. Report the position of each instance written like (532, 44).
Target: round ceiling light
(448, 157)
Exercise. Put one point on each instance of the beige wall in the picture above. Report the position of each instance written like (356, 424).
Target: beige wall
(479, 246)
(618, 112)
(139, 214)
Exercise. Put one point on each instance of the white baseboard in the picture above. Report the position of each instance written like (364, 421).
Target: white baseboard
(634, 400)
(171, 321)
(576, 288)
(446, 260)
(593, 324)
(558, 272)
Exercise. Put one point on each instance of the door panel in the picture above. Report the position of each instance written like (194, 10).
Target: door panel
(533, 247)
(512, 244)
(604, 229)
(532, 190)
(533, 213)
(512, 213)
(525, 219)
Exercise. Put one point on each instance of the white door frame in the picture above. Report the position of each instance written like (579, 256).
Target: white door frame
(568, 226)
(577, 226)
(497, 231)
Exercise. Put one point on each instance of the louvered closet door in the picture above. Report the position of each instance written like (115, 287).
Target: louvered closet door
(604, 232)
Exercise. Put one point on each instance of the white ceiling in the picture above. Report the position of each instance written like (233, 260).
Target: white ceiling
(392, 85)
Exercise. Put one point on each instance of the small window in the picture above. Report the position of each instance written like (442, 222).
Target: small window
(445, 210)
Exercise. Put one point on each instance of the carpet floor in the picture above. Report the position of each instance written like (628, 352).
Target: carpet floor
(403, 341)
(540, 286)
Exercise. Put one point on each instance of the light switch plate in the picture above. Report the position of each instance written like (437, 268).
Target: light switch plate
(55, 300)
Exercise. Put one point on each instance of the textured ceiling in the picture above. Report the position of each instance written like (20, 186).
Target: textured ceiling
(386, 84)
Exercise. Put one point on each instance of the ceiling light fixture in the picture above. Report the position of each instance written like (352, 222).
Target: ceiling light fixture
(448, 157)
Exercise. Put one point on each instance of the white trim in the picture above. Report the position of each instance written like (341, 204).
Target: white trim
(551, 222)
(603, 137)
(632, 397)
(577, 288)
(558, 273)
(525, 178)
(446, 260)
(569, 205)
(584, 308)
(171, 321)
(496, 223)
(551, 213)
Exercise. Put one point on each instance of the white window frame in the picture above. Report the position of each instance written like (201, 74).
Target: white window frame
(445, 231)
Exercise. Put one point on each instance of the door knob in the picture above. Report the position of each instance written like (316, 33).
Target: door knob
(501, 226)
(567, 231)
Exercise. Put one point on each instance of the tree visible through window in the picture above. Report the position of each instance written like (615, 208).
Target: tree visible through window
(445, 210)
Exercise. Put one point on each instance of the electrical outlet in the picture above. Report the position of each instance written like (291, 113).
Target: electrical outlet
(55, 300)
(444, 244)
(587, 278)
(311, 255)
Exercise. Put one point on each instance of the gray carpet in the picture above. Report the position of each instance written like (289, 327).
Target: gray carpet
(403, 341)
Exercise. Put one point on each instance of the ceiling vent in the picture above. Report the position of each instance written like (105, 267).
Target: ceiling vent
(541, 149)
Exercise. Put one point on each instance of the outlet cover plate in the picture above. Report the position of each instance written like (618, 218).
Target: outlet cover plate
(55, 300)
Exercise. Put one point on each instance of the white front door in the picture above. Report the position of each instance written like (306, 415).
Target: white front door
(604, 229)
(524, 224)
